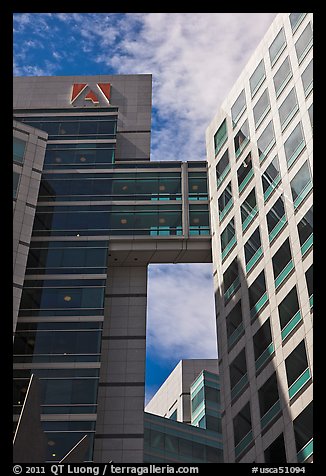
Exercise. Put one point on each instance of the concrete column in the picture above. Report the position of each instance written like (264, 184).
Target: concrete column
(120, 427)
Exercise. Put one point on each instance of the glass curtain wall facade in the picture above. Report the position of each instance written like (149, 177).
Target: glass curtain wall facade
(103, 213)
(264, 309)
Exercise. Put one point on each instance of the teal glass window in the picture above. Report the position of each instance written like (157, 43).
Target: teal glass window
(294, 145)
(238, 374)
(15, 184)
(253, 250)
(301, 185)
(288, 108)
(225, 201)
(295, 20)
(238, 108)
(277, 46)
(307, 78)
(276, 218)
(248, 209)
(245, 173)
(67, 257)
(174, 415)
(220, 137)
(261, 108)
(222, 168)
(303, 433)
(197, 400)
(269, 404)
(305, 230)
(257, 294)
(228, 238)
(197, 186)
(242, 429)
(198, 219)
(83, 155)
(234, 325)
(263, 345)
(241, 139)
(289, 312)
(19, 147)
(282, 262)
(297, 369)
(309, 274)
(257, 78)
(231, 280)
(271, 178)
(311, 114)
(275, 452)
(266, 141)
(304, 43)
(282, 76)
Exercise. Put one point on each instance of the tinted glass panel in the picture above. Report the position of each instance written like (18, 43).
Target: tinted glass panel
(238, 107)
(300, 181)
(257, 77)
(277, 46)
(19, 146)
(303, 42)
(282, 75)
(261, 107)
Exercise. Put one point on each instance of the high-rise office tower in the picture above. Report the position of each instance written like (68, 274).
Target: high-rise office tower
(103, 212)
(259, 151)
(182, 419)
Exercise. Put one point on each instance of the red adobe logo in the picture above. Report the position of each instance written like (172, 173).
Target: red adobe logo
(78, 88)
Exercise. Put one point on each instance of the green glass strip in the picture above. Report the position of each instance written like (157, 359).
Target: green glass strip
(226, 209)
(306, 51)
(254, 259)
(272, 187)
(309, 89)
(311, 301)
(264, 154)
(243, 443)
(291, 325)
(221, 178)
(259, 304)
(299, 383)
(283, 274)
(307, 244)
(249, 218)
(258, 86)
(239, 386)
(235, 334)
(242, 147)
(302, 195)
(229, 247)
(264, 356)
(296, 154)
(283, 85)
(290, 117)
(246, 180)
(221, 143)
(306, 451)
(270, 414)
(262, 117)
(277, 228)
(232, 289)
(236, 120)
(278, 55)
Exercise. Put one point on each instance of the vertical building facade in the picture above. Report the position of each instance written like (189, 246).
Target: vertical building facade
(183, 420)
(103, 213)
(259, 152)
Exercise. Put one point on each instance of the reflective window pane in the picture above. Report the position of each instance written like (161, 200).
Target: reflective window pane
(300, 181)
(266, 140)
(282, 75)
(19, 146)
(16, 178)
(277, 46)
(261, 107)
(307, 78)
(295, 19)
(238, 107)
(220, 137)
(257, 77)
(288, 108)
(304, 42)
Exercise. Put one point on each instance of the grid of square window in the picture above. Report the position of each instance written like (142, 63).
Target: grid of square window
(264, 231)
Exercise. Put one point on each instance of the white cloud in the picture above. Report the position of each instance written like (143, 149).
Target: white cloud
(181, 320)
(194, 58)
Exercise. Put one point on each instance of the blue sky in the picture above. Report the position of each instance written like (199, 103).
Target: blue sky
(194, 58)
